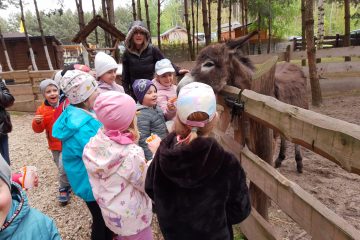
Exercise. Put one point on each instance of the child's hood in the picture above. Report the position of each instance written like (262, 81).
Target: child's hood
(191, 165)
(103, 156)
(70, 121)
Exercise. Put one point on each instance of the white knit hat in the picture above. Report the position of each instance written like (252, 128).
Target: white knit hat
(104, 63)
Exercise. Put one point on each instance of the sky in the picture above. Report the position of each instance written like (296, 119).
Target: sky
(52, 4)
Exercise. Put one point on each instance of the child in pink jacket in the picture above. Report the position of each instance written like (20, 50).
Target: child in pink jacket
(116, 167)
(166, 89)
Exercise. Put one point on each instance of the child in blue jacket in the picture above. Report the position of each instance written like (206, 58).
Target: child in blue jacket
(17, 219)
(75, 126)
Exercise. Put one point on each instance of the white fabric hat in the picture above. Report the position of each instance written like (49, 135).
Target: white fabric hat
(196, 97)
(163, 66)
(104, 63)
(78, 85)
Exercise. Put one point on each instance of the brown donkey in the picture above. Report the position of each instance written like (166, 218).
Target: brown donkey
(224, 64)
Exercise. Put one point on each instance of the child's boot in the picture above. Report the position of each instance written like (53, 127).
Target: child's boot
(64, 196)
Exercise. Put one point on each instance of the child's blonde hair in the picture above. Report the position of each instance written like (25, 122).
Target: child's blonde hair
(192, 133)
(134, 130)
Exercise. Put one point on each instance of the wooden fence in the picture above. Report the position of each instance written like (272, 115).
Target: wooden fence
(25, 88)
(323, 68)
(334, 139)
(329, 41)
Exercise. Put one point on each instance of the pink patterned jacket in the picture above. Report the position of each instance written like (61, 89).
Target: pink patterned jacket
(117, 176)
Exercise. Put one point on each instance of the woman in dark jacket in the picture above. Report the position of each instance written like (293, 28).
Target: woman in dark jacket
(140, 57)
(6, 100)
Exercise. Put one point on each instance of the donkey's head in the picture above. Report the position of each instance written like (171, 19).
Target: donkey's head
(221, 64)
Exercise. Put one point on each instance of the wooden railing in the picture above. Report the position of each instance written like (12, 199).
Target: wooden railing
(25, 88)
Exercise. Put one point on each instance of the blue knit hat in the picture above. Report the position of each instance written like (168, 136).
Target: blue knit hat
(140, 87)
(5, 172)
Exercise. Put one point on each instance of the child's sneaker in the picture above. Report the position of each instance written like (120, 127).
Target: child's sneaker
(64, 196)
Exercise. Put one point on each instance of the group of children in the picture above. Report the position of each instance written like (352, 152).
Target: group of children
(99, 144)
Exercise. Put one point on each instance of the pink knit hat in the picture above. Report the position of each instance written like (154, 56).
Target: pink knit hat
(115, 110)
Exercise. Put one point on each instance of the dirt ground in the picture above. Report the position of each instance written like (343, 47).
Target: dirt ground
(337, 189)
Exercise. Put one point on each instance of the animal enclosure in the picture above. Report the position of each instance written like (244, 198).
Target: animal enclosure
(334, 139)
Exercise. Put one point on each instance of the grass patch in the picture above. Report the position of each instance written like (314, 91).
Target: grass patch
(238, 235)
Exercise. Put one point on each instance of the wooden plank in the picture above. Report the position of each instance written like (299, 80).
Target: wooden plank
(24, 97)
(261, 58)
(42, 73)
(337, 140)
(352, 51)
(23, 106)
(255, 227)
(335, 67)
(15, 74)
(303, 208)
(20, 89)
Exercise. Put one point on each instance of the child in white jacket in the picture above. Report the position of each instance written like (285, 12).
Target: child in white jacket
(117, 169)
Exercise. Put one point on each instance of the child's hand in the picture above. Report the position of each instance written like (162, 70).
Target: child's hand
(153, 143)
(38, 118)
(171, 106)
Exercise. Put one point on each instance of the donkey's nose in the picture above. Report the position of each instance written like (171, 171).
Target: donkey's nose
(188, 78)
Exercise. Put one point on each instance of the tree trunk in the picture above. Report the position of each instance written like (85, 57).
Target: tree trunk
(32, 57)
(43, 37)
(243, 13)
(139, 10)
(219, 22)
(193, 29)
(197, 26)
(259, 35)
(111, 17)
(105, 16)
(230, 9)
(311, 53)
(147, 16)
(94, 14)
(303, 33)
(320, 33)
(269, 27)
(80, 14)
(5, 52)
(205, 22)
(133, 9)
(347, 26)
(208, 33)
(158, 24)
(187, 23)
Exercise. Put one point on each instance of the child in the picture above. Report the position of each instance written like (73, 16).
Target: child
(44, 120)
(150, 118)
(199, 189)
(75, 126)
(166, 90)
(17, 219)
(117, 168)
(105, 67)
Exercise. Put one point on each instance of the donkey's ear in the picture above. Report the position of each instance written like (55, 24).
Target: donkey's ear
(239, 42)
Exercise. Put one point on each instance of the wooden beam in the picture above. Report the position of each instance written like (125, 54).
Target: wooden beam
(23, 106)
(256, 227)
(316, 219)
(335, 67)
(20, 89)
(337, 140)
(352, 51)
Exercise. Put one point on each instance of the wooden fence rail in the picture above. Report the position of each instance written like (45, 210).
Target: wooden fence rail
(337, 140)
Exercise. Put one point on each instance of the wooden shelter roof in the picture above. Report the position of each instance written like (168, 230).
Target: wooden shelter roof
(98, 21)
(15, 36)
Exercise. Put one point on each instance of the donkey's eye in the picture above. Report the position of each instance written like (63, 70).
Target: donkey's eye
(209, 64)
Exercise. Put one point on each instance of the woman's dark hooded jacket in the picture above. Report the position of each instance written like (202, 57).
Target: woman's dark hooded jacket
(139, 65)
(6, 100)
(199, 190)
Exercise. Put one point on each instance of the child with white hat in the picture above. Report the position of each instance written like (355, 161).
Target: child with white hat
(192, 180)
(106, 67)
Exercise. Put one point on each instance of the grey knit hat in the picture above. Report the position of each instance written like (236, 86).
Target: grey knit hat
(45, 83)
(5, 172)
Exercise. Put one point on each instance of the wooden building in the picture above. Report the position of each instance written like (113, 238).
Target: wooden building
(98, 21)
(174, 35)
(20, 56)
(238, 30)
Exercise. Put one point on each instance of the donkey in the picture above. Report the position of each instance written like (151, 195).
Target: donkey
(224, 64)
